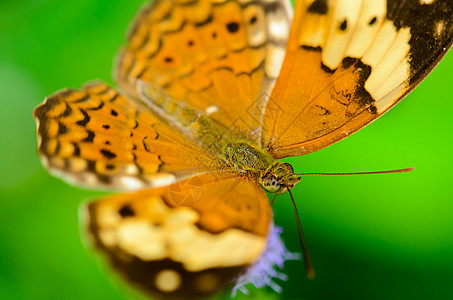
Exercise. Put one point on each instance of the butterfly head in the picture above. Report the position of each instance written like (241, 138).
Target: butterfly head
(279, 178)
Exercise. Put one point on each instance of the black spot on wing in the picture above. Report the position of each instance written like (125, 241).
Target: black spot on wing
(85, 120)
(361, 95)
(83, 99)
(176, 30)
(101, 105)
(91, 166)
(348, 62)
(90, 137)
(104, 179)
(232, 27)
(126, 211)
(114, 97)
(76, 149)
(108, 154)
(62, 129)
(343, 25)
(146, 145)
(139, 168)
(324, 110)
(67, 112)
(141, 73)
(327, 69)
(309, 48)
(318, 7)
(161, 164)
(57, 149)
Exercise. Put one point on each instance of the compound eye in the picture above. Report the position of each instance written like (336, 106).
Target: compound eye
(271, 184)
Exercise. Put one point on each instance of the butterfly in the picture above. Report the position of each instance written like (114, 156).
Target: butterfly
(212, 94)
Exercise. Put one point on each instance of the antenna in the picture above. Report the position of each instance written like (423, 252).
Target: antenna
(309, 269)
(307, 258)
(362, 173)
(273, 199)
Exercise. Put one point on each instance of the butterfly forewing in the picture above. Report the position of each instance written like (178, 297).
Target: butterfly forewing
(185, 240)
(221, 57)
(347, 63)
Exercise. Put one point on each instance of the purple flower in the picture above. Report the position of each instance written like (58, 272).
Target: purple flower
(265, 269)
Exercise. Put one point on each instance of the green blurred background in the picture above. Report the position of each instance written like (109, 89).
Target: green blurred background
(371, 237)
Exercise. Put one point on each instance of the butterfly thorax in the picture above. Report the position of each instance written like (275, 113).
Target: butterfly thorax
(243, 156)
(249, 160)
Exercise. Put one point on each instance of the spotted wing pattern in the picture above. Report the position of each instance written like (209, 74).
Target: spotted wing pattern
(348, 62)
(97, 137)
(182, 241)
(221, 57)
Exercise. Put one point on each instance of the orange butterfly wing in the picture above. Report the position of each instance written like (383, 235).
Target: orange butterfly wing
(346, 64)
(97, 137)
(186, 240)
(220, 57)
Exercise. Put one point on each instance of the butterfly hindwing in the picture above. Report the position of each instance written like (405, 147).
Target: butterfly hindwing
(347, 63)
(185, 240)
(97, 137)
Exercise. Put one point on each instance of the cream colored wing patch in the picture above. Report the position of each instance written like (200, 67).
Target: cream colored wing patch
(181, 240)
(173, 234)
